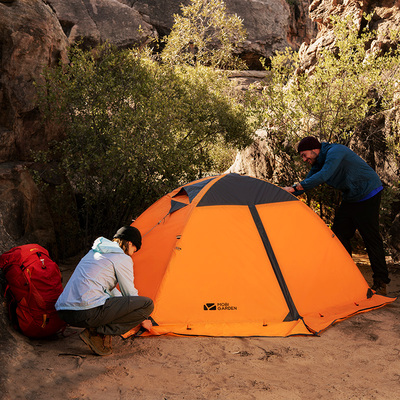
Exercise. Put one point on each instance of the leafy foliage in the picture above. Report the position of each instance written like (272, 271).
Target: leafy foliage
(136, 129)
(329, 101)
(204, 34)
(346, 85)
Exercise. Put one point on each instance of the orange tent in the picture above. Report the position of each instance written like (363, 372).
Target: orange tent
(232, 255)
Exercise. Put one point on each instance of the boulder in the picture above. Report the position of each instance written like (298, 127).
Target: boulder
(260, 160)
(24, 213)
(46, 216)
(100, 21)
(31, 39)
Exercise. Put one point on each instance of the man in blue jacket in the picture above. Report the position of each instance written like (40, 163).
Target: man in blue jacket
(361, 188)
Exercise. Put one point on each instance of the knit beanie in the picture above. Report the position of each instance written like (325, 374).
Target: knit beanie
(308, 143)
(131, 234)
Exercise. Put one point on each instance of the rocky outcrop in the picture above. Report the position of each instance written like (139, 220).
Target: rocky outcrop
(31, 39)
(260, 160)
(24, 213)
(99, 21)
(28, 214)
(385, 18)
(271, 25)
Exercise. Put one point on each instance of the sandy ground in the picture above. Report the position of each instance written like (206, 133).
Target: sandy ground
(358, 358)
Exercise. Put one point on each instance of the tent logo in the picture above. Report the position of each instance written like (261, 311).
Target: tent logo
(219, 307)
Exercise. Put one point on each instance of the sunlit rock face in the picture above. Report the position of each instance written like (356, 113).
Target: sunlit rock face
(271, 25)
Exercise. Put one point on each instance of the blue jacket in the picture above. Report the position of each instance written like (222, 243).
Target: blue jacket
(341, 168)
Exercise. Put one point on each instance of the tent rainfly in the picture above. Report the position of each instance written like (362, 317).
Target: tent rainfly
(232, 255)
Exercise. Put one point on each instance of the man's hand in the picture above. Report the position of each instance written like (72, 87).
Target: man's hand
(289, 189)
(147, 324)
(292, 189)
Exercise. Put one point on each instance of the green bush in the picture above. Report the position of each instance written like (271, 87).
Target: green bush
(205, 34)
(331, 100)
(135, 129)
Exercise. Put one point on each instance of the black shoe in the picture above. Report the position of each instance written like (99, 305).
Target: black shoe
(379, 288)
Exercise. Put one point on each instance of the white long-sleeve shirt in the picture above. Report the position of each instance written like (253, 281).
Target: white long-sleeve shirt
(96, 276)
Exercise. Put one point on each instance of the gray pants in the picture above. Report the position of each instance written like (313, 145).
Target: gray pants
(117, 316)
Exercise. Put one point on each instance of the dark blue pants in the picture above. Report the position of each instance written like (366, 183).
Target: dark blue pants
(363, 216)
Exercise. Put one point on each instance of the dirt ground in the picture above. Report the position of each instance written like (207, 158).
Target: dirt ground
(358, 358)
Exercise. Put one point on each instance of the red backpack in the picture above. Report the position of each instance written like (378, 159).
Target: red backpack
(33, 287)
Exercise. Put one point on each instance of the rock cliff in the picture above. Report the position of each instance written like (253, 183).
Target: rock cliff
(98, 21)
(385, 17)
(271, 25)
(31, 39)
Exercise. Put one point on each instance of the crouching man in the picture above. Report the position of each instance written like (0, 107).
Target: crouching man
(91, 300)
